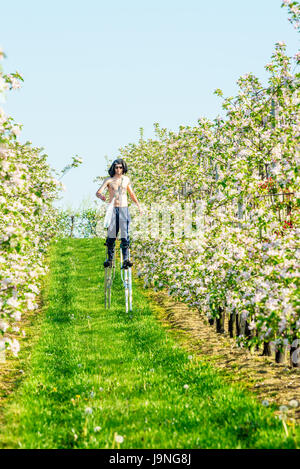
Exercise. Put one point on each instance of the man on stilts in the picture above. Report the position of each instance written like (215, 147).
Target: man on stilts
(118, 184)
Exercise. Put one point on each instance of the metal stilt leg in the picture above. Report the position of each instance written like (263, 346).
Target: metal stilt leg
(130, 284)
(108, 280)
(126, 277)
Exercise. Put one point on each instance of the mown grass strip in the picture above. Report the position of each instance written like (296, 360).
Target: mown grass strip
(95, 373)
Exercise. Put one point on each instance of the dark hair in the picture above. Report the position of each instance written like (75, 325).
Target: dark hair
(111, 170)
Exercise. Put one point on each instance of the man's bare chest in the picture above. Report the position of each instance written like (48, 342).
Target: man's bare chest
(117, 186)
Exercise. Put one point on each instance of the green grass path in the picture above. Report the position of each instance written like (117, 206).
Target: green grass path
(95, 373)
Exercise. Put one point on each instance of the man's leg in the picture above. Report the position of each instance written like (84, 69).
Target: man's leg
(112, 233)
(110, 242)
(125, 244)
(125, 238)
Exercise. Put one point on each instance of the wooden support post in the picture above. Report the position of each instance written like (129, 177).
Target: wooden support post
(72, 226)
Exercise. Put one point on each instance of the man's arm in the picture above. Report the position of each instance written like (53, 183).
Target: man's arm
(133, 196)
(101, 189)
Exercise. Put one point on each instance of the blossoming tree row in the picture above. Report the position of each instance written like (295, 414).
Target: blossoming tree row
(243, 171)
(27, 221)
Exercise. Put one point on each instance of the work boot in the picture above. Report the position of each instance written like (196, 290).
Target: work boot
(127, 263)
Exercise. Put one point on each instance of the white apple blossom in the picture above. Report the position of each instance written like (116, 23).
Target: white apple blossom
(12, 302)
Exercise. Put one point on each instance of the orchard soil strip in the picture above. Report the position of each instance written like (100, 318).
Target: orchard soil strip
(270, 381)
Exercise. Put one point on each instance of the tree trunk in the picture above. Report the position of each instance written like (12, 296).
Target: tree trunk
(220, 321)
(242, 325)
(248, 332)
(238, 324)
(232, 326)
(280, 355)
(257, 345)
(267, 349)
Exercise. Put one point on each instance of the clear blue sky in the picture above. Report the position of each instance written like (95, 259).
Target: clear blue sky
(96, 71)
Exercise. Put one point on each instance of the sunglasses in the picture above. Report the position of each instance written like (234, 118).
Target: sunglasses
(118, 166)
